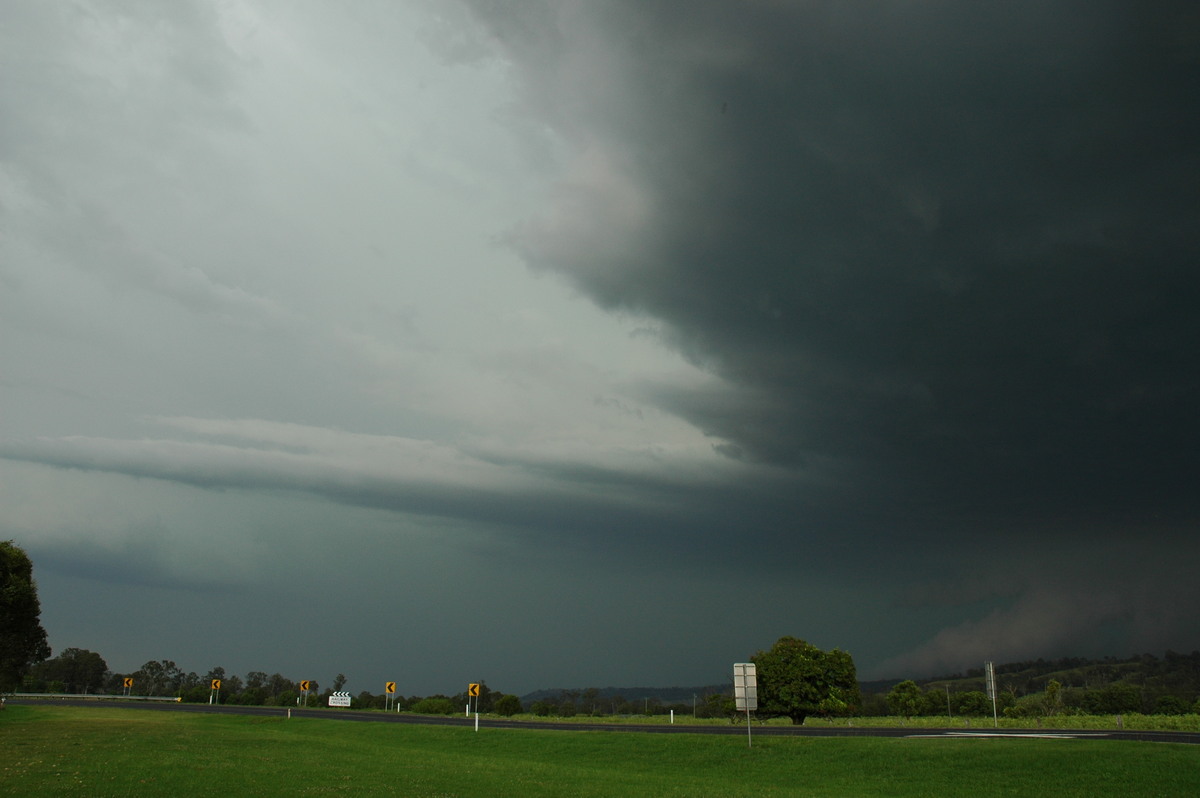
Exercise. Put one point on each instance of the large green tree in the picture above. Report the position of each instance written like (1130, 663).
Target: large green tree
(796, 679)
(77, 670)
(905, 699)
(22, 638)
(163, 677)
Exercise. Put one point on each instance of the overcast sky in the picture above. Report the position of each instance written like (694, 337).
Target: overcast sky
(559, 343)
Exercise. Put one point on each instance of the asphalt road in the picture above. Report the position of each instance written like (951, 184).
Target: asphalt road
(1190, 738)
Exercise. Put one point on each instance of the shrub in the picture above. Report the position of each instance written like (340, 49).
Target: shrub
(507, 705)
(1170, 705)
(436, 705)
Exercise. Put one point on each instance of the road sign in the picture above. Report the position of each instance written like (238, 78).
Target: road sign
(305, 684)
(745, 686)
(389, 687)
(473, 690)
(216, 684)
(127, 681)
(745, 690)
(339, 699)
(989, 669)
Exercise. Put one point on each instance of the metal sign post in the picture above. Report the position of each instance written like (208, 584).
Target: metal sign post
(745, 691)
(990, 669)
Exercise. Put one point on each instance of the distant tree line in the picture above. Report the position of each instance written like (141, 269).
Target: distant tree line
(795, 680)
(1144, 684)
(79, 671)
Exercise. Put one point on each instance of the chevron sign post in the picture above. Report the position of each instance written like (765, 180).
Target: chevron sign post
(339, 699)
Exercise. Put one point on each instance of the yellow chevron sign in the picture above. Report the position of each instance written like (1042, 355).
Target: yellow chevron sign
(127, 681)
(304, 684)
(216, 684)
(473, 690)
(389, 687)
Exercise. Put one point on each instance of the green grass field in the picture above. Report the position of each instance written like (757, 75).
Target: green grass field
(103, 751)
(1129, 722)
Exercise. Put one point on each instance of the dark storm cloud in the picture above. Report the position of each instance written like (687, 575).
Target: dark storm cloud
(949, 246)
(934, 262)
(944, 256)
(618, 511)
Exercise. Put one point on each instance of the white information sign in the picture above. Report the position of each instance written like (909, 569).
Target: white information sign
(339, 699)
(745, 686)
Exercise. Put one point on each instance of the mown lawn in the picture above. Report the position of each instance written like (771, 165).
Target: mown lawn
(103, 751)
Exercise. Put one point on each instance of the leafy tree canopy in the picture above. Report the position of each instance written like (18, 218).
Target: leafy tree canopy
(77, 670)
(796, 679)
(508, 705)
(22, 638)
(905, 699)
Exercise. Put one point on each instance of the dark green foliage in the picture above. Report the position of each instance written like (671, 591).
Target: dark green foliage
(507, 705)
(368, 700)
(589, 701)
(933, 702)
(22, 639)
(1070, 686)
(716, 705)
(75, 669)
(1173, 673)
(1115, 699)
(905, 699)
(437, 705)
(196, 695)
(1170, 705)
(796, 679)
(159, 678)
(972, 702)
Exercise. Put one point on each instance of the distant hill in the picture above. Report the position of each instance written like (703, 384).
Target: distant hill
(1173, 673)
(665, 695)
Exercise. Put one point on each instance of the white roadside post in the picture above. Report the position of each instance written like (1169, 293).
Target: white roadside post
(473, 692)
(745, 691)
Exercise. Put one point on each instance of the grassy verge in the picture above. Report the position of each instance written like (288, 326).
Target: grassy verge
(1098, 722)
(108, 751)
(1094, 722)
